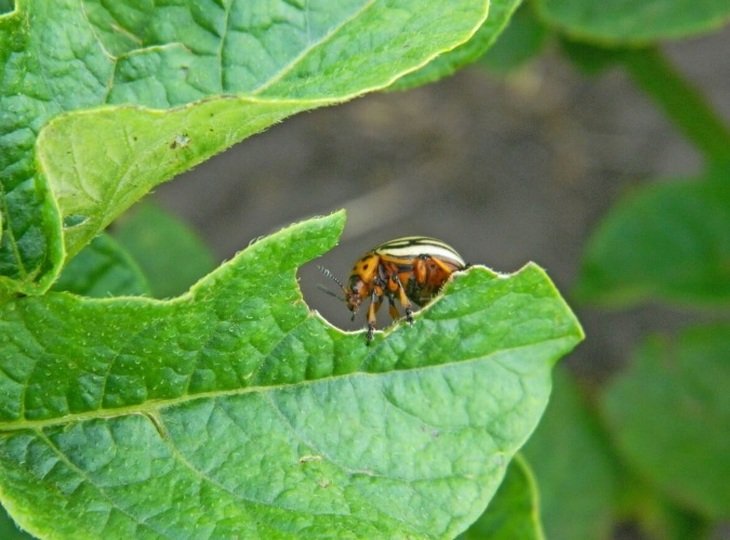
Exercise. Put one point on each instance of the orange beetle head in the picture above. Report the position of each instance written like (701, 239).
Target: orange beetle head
(355, 294)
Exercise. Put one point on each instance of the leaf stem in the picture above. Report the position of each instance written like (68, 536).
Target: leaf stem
(680, 100)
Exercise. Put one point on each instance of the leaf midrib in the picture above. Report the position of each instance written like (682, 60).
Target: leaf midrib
(154, 406)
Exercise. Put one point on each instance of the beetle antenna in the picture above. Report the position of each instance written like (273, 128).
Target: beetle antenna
(327, 291)
(331, 276)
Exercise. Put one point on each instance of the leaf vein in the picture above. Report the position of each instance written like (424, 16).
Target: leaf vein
(159, 404)
(306, 50)
(85, 476)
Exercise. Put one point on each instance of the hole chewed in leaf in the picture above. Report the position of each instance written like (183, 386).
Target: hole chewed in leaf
(74, 220)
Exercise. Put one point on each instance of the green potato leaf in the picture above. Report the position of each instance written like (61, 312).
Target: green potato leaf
(574, 470)
(669, 414)
(590, 59)
(521, 41)
(669, 241)
(101, 101)
(235, 411)
(628, 22)
(514, 512)
(171, 255)
(500, 12)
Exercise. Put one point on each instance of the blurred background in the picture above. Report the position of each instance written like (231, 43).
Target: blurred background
(507, 169)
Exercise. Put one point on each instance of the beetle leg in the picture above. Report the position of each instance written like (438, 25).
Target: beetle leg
(404, 299)
(375, 302)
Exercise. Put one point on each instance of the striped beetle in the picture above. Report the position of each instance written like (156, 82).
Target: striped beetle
(412, 269)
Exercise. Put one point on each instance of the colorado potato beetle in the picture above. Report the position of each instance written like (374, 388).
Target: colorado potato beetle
(412, 269)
